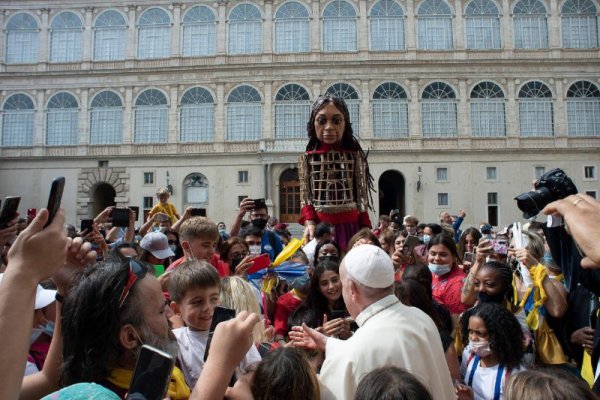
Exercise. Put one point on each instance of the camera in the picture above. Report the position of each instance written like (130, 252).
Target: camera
(396, 217)
(553, 185)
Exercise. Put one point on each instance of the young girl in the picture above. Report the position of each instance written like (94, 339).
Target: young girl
(494, 350)
(335, 183)
(164, 206)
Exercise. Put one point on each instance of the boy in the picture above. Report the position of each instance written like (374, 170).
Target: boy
(164, 206)
(194, 288)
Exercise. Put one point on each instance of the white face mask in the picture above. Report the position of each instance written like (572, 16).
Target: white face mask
(439, 269)
(35, 334)
(481, 348)
(254, 250)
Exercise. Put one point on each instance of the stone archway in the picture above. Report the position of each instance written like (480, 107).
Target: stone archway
(391, 192)
(95, 189)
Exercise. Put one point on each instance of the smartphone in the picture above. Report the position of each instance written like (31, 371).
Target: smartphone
(31, 213)
(500, 246)
(136, 211)
(198, 212)
(9, 210)
(120, 217)
(259, 203)
(410, 243)
(87, 225)
(338, 313)
(395, 211)
(152, 374)
(55, 197)
(469, 257)
(221, 314)
(261, 261)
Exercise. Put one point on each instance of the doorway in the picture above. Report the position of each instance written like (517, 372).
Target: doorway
(102, 196)
(391, 186)
(289, 196)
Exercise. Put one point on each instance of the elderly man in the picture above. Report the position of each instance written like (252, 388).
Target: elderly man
(390, 333)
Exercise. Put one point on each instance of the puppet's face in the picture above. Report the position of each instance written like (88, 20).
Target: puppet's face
(330, 124)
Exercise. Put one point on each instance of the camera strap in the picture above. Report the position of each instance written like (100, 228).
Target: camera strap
(517, 231)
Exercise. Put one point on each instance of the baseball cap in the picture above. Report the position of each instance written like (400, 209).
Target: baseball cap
(157, 244)
(370, 266)
(43, 297)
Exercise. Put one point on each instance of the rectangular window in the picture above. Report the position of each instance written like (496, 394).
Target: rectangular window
(442, 199)
(539, 171)
(591, 193)
(589, 172)
(441, 174)
(103, 164)
(242, 176)
(492, 201)
(491, 173)
(148, 201)
(148, 178)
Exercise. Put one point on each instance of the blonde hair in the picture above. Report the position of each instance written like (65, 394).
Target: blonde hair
(161, 190)
(198, 227)
(236, 293)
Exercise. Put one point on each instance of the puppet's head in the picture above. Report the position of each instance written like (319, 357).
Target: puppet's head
(320, 103)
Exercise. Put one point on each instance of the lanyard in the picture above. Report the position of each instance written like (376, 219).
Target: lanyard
(498, 384)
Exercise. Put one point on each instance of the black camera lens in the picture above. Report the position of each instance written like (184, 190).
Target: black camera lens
(531, 203)
(551, 186)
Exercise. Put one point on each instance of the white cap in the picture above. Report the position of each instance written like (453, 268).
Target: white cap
(43, 297)
(370, 266)
(157, 243)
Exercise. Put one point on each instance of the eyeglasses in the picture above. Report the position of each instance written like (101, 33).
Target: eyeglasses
(136, 271)
(172, 241)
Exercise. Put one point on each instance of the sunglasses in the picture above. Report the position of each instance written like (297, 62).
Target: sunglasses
(136, 271)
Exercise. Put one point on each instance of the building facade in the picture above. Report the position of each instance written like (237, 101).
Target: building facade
(461, 104)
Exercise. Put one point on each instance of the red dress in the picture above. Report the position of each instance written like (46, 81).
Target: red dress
(286, 305)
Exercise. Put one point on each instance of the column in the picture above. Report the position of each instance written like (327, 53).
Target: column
(268, 28)
(130, 38)
(363, 26)
(415, 128)
(220, 125)
(560, 112)
(222, 28)
(2, 35)
(366, 122)
(506, 26)
(553, 26)
(316, 88)
(512, 109)
(87, 34)
(458, 29)
(83, 120)
(44, 43)
(39, 120)
(173, 117)
(128, 117)
(410, 26)
(268, 130)
(315, 27)
(463, 122)
(176, 31)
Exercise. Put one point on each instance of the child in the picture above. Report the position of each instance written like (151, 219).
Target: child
(194, 288)
(164, 206)
(335, 183)
(494, 352)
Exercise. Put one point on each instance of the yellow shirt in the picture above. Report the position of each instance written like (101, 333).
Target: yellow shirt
(168, 209)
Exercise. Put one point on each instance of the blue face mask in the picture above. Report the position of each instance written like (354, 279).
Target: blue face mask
(439, 269)
(300, 282)
(426, 238)
(49, 328)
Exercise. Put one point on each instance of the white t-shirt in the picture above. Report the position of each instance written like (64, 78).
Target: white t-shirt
(309, 249)
(484, 379)
(192, 345)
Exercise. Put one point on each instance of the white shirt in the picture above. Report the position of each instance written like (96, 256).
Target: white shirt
(192, 345)
(390, 333)
(309, 249)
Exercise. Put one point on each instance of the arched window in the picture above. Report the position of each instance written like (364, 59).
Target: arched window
(487, 110)
(439, 111)
(199, 32)
(154, 34)
(483, 25)
(530, 25)
(151, 117)
(387, 26)
(390, 111)
(245, 30)
(196, 190)
(61, 127)
(17, 121)
(339, 27)
(109, 36)
(291, 28)
(22, 39)
(350, 96)
(197, 116)
(583, 109)
(536, 116)
(66, 36)
(435, 25)
(244, 114)
(106, 118)
(292, 110)
(579, 19)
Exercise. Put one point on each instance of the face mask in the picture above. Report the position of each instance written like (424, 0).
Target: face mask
(426, 238)
(481, 348)
(222, 230)
(259, 223)
(483, 297)
(173, 248)
(235, 262)
(254, 249)
(35, 334)
(49, 328)
(439, 269)
(300, 282)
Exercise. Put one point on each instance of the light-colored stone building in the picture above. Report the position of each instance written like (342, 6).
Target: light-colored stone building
(461, 104)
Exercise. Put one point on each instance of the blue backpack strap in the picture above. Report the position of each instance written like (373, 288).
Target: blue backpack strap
(472, 374)
(498, 385)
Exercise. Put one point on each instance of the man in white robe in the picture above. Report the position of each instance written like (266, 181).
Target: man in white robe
(390, 333)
